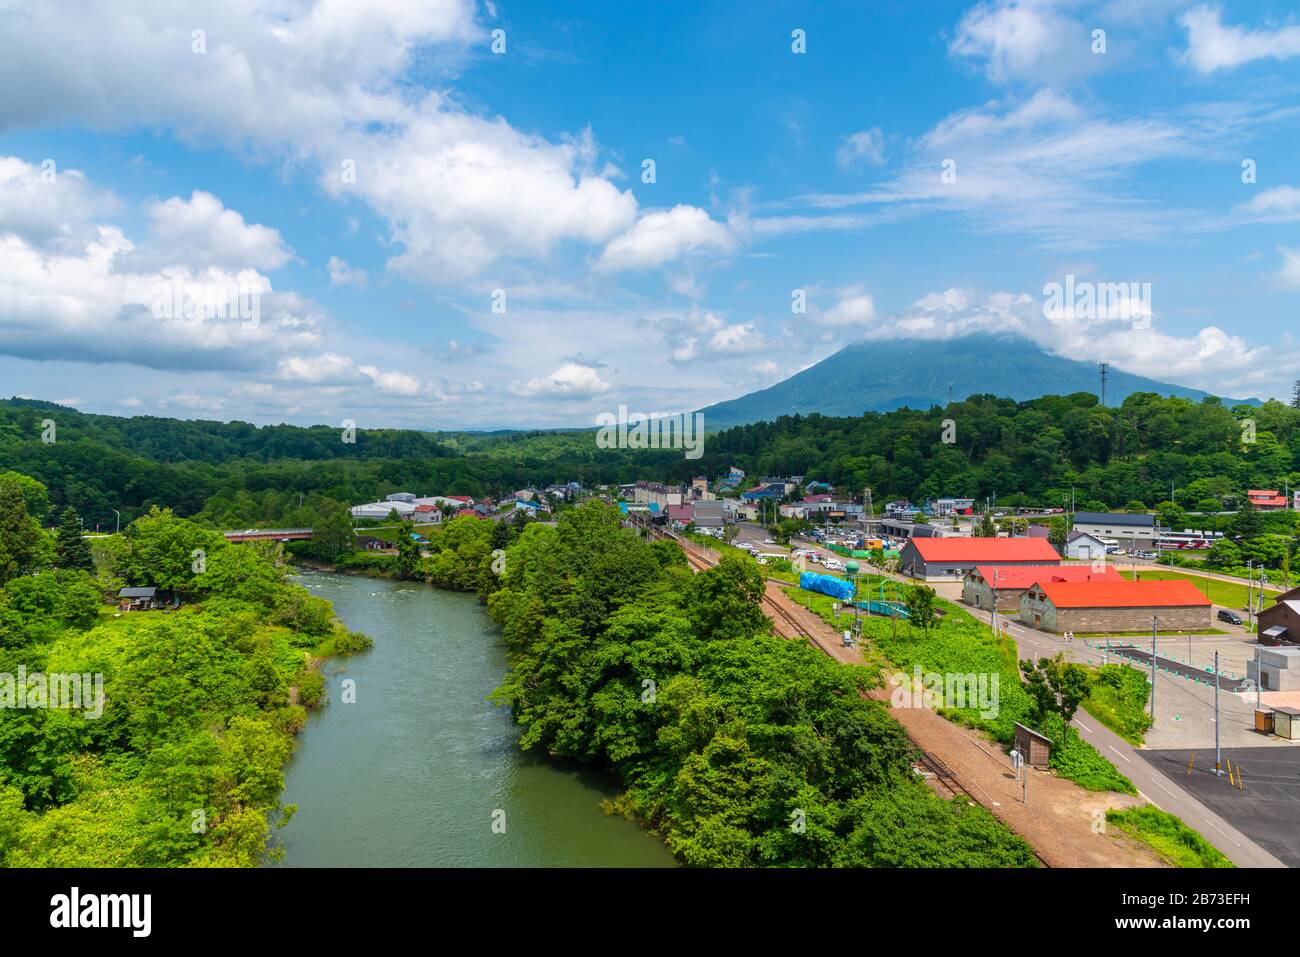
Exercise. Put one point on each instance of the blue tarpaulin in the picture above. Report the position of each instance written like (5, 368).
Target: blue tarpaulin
(826, 584)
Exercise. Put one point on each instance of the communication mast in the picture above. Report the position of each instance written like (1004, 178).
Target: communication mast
(1105, 372)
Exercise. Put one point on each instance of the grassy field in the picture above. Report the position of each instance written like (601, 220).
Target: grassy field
(1227, 594)
(1167, 836)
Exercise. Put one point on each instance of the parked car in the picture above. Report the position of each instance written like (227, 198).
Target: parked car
(1229, 616)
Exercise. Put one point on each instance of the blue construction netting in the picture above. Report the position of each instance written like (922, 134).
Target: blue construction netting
(826, 585)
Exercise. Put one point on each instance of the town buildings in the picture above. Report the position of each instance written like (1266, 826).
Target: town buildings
(1132, 530)
(948, 559)
(1279, 623)
(1265, 500)
(1115, 606)
(1010, 582)
(1084, 547)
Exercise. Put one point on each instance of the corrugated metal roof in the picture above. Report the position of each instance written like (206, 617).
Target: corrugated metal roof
(986, 551)
(1021, 576)
(1124, 594)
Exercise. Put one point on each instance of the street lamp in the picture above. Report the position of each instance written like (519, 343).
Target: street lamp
(119, 521)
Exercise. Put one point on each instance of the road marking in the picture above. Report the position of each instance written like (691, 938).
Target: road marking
(1082, 725)
(1165, 789)
(1219, 829)
(1112, 747)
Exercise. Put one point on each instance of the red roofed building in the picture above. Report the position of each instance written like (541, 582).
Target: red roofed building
(466, 511)
(1010, 582)
(1265, 500)
(948, 559)
(1108, 606)
(682, 514)
(428, 514)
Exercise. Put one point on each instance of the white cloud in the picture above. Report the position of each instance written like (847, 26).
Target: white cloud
(569, 381)
(661, 236)
(853, 308)
(703, 335)
(202, 232)
(1210, 359)
(1043, 166)
(1025, 40)
(46, 205)
(327, 367)
(867, 146)
(1277, 205)
(1213, 46)
(323, 84)
(341, 274)
(1288, 276)
(395, 383)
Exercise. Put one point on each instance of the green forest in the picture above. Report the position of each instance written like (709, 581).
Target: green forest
(175, 758)
(1034, 452)
(740, 748)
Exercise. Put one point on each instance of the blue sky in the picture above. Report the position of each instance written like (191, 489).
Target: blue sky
(212, 145)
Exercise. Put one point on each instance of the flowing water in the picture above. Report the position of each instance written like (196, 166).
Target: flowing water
(418, 770)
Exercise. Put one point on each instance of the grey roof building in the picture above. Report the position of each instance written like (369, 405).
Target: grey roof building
(1122, 527)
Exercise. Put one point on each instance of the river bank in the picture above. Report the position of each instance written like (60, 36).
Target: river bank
(420, 769)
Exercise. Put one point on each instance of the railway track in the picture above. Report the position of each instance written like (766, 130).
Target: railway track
(779, 613)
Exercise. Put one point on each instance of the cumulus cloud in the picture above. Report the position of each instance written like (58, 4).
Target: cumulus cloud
(853, 308)
(659, 237)
(46, 206)
(569, 381)
(703, 335)
(323, 85)
(202, 232)
(1211, 358)
(1212, 45)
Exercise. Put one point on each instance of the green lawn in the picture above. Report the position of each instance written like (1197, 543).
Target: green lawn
(1227, 594)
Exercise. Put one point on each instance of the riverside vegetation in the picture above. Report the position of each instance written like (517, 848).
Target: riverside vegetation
(738, 747)
(200, 704)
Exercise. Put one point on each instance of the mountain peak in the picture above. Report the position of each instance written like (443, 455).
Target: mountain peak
(880, 375)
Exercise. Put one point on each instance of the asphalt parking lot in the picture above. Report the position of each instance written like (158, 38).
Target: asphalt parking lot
(1267, 810)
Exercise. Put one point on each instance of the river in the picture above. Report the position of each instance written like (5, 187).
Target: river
(414, 772)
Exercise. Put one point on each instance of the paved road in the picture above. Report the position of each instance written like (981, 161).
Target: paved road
(1154, 786)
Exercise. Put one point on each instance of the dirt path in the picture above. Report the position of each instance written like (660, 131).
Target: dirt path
(1064, 823)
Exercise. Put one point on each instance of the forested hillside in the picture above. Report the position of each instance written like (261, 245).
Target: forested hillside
(231, 474)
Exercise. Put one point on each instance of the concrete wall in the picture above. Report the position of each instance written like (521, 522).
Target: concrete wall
(1275, 669)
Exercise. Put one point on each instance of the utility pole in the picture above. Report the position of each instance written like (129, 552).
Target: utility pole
(1153, 669)
(1250, 596)
(1217, 755)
